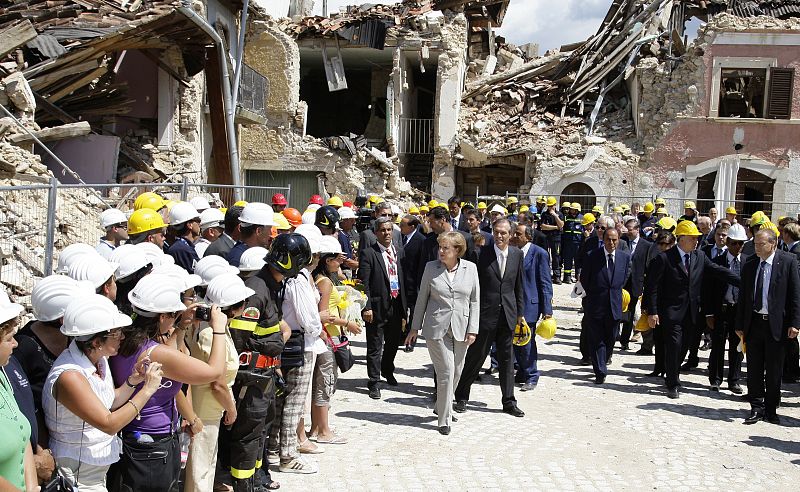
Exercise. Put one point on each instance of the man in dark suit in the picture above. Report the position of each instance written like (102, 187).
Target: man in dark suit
(720, 301)
(638, 247)
(412, 240)
(380, 269)
(438, 221)
(768, 315)
(603, 276)
(474, 225)
(367, 237)
(791, 363)
(458, 221)
(718, 246)
(672, 292)
(500, 276)
(223, 244)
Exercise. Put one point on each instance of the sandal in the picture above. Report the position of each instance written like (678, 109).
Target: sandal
(336, 439)
(307, 447)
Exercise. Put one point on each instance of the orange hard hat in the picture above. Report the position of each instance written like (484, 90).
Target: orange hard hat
(293, 216)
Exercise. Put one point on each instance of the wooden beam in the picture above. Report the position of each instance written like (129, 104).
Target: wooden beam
(77, 84)
(15, 36)
(222, 163)
(69, 130)
(163, 66)
(43, 80)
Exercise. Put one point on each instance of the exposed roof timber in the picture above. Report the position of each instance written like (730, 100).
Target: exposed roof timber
(495, 10)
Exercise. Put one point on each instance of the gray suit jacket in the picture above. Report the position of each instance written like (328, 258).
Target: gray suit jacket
(446, 305)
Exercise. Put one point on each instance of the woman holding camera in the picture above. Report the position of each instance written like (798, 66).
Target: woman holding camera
(157, 306)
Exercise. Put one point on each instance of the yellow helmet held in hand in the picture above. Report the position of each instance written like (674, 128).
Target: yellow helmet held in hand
(687, 228)
(149, 200)
(145, 220)
(641, 323)
(626, 300)
(522, 334)
(588, 218)
(546, 328)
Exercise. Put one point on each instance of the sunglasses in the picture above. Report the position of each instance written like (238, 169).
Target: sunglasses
(115, 333)
(602, 228)
(663, 243)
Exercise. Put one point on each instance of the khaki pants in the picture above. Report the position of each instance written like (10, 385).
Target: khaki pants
(92, 477)
(202, 462)
(448, 356)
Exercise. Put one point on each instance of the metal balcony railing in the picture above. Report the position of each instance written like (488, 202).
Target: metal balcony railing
(415, 136)
(253, 91)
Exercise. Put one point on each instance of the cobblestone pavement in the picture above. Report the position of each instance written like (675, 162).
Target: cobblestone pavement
(623, 435)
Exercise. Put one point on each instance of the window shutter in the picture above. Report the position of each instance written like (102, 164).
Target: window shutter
(781, 85)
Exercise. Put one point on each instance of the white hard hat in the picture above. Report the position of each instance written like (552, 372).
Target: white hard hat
(90, 314)
(52, 294)
(498, 208)
(95, 269)
(329, 245)
(312, 234)
(227, 290)
(180, 277)
(212, 266)
(156, 293)
(346, 213)
(211, 217)
(736, 232)
(257, 213)
(112, 216)
(309, 217)
(8, 310)
(129, 259)
(181, 213)
(72, 252)
(155, 254)
(200, 203)
(253, 259)
(396, 210)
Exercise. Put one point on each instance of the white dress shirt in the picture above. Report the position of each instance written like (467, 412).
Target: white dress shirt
(525, 249)
(767, 276)
(387, 253)
(301, 312)
(201, 245)
(502, 259)
(408, 238)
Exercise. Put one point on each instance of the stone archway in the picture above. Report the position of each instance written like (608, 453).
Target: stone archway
(581, 193)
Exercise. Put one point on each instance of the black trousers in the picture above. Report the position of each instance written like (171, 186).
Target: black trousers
(502, 336)
(383, 338)
(791, 359)
(724, 332)
(584, 340)
(554, 248)
(657, 342)
(627, 322)
(602, 332)
(690, 345)
(676, 337)
(764, 368)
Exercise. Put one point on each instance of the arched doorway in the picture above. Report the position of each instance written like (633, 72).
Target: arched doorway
(754, 191)
(581, 193)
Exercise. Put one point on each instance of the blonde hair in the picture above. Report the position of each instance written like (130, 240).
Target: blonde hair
(455, 239)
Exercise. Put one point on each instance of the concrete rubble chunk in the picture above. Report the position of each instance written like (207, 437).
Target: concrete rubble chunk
(19, 92)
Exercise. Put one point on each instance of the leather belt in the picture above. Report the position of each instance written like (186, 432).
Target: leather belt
(763, 317)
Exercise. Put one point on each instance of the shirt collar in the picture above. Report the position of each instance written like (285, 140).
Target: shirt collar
(382, 247)
(408, 237)
(681, 252)
(81, 360)
(769, 260)
(731, 257)
(607, 252)
(526, 248)
(500, 252)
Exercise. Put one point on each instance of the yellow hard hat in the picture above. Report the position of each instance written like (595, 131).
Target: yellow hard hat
(731, 210)
(641, 323)
(660, 201)
(687, 228)
(511, 199)
(546, 328)
(617, 209)
(597, 209)
(661, 210)
(481, 205)
(541, 199)
(771, 226)
(378, 200)
(565, 204)
(413, 210)
(667, 224)
(575, 206)
(240, 203)
(522, 334)
(551, 201)
(758, 218)
(281, 223)
(625, 207)
(223, 210)
(588, 218)
(145, 220)
(424, 209)
(149, 200)
(433, 203)
(649, 207)
(335, 201)
(524, 208)
(626, 300)
(689, 204)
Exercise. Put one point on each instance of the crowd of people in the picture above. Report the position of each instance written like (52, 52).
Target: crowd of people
(211, 339)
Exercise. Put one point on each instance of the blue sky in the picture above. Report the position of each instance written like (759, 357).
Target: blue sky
(551, 23)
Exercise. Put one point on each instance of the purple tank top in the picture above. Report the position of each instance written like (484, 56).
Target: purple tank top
(160, 414)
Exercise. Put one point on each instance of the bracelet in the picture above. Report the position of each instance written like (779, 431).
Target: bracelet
(138, 413)
(218, 333)
(128, 383)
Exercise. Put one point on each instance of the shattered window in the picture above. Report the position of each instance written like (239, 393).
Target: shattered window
(742, 92)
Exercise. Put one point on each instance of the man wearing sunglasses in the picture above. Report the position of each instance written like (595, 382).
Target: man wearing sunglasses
(115, 224)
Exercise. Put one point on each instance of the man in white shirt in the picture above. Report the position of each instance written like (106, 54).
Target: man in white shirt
(115, 224)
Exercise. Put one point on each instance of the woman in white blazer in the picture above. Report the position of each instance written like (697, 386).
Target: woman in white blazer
(447, 310)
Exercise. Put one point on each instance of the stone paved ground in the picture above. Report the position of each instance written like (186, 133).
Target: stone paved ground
(623, 435)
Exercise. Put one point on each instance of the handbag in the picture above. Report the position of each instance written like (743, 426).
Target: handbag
(58, 484)
(293, 350)
(341, 351)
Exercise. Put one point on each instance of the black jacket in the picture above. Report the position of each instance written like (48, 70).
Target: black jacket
(783, 296)
(604, 288)
(500, 297)
(411, 253)
(430, 252)
(635, 283)
(714, 289)
(373, 275)
(220, 247)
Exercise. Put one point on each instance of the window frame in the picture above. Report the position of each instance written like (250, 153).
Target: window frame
(733, 63)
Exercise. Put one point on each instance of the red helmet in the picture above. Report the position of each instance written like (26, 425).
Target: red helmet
(315, 199)
(348, 204)
(279, 199)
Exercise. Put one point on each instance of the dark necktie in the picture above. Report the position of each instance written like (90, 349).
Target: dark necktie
(758, 302)
(454, 224)
(686, 263)
(611, 265)
(405, 240)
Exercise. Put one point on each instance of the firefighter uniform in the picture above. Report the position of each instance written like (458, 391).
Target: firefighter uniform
(571, 239)
(258, 339)
(553, 243)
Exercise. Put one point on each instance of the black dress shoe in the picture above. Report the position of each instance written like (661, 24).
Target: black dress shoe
(491, 370)
(557, 281)
(586, 361)
(375, 393)
(715, 387)
(625, 347)
(753, 418)
(735, 388)
(390, 380)
(460, 406)
(655, 374)
(773, 420)
(688, 367)
(600, 379)
(673, 393)
(444, 430)
(644, 352)
(513, 410)
(608, 362)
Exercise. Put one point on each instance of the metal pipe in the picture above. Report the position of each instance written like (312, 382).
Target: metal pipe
(233, 149)
(52, 198)
(237, 74)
